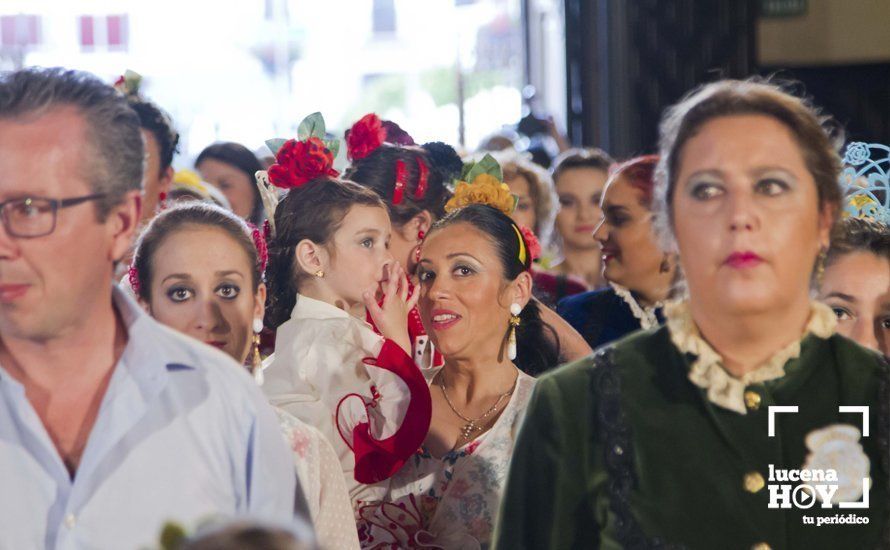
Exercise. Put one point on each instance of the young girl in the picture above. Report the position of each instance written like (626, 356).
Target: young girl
(412, 181)
(328, 255)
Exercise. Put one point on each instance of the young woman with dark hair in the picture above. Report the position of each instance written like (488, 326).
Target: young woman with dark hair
(640, 275)
(414, 182)
(231, 168)
(198, 269)
(475, 300)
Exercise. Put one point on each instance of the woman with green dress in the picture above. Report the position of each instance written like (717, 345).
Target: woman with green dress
(670, 438)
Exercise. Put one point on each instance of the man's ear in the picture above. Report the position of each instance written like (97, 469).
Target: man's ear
(122, 222)
(166, 181)
(310, 256)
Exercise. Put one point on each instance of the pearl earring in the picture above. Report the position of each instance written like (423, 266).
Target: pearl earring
(515, 310)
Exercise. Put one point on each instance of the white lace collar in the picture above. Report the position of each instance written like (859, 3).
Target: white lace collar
(646, 315)
(707, 370)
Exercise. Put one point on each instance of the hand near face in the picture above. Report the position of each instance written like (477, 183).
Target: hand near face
(391, 318)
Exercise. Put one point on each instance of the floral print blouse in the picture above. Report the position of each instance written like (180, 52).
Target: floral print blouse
(450, 501)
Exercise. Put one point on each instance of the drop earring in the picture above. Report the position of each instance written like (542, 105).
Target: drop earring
(515, 310)
(162, 201)
(820, 266)
(417, 249)
(256, 362)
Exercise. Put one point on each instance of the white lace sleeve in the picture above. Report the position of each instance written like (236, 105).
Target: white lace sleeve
(323, 484)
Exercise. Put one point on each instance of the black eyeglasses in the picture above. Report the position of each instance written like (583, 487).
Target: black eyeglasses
(36, 216)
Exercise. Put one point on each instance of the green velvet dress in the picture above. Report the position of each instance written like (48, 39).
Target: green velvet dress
(623, 450)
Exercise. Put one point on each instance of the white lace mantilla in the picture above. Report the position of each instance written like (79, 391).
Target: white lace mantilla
(707, 370)
(646, 315)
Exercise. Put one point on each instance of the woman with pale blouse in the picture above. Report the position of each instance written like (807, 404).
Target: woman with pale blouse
(198, 269)
(662, 440)
(476, 303)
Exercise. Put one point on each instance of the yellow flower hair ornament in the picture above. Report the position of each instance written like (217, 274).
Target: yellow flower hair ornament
(482, 182)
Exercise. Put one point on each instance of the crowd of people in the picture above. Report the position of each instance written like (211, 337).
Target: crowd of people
(389, 340)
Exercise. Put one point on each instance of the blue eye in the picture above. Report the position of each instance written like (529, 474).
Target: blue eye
(705, 191)
(179, 293)
(368, 243)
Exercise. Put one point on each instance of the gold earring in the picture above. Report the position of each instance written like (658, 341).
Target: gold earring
(319, 273)
(820, 266)
(256, 361)
(515, 310)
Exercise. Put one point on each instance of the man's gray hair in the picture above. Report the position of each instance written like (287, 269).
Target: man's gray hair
(113, 130)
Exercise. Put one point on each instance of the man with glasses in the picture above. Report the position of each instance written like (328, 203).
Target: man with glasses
(110, 424)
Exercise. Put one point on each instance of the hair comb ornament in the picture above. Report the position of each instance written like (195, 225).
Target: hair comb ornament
(297, 162)
(865, 181)
(398, 192)
(423, 174)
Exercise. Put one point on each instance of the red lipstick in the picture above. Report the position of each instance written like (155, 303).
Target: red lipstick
(743, 260)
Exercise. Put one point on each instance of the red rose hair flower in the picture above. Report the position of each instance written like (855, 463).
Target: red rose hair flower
(299, 162)
(531, 242)
(365, 135)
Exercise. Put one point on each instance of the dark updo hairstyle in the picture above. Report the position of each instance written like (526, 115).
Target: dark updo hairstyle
(537, 347)
(244, 160)
(185, 216)
(377, 172)
(156, 121)
(312, 211)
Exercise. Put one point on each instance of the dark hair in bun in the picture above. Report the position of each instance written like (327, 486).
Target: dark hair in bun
(377, 172)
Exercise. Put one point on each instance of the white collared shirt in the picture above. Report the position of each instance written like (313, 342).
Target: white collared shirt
(182, 434)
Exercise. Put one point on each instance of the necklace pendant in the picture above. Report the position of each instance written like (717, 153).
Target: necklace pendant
(468, 430)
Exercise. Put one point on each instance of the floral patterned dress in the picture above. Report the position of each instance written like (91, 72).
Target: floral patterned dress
(448, 502)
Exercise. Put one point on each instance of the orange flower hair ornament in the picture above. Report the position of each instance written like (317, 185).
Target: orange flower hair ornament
(482, 183)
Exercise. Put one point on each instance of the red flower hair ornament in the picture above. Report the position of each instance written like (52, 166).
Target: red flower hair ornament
(299, 162)
(364, 137)
(531, 242)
